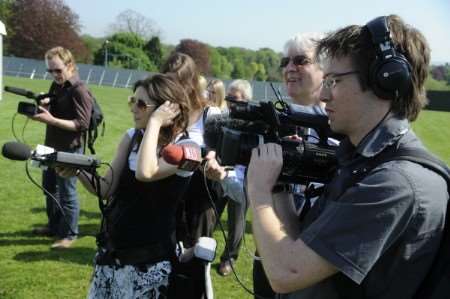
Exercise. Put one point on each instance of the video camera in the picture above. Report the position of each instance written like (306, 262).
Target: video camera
(27, 108)
(252, 124)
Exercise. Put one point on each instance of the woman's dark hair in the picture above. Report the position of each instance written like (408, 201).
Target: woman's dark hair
(165, 87)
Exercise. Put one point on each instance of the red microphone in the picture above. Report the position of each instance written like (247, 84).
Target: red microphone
(186, 155)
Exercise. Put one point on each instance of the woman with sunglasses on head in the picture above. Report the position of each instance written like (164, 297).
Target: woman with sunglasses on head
(137, 238)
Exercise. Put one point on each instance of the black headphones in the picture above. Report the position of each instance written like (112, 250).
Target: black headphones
(390, 73)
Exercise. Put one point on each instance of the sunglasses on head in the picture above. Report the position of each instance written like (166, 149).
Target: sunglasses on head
(296, 60)
(56, 71)
(140, 103)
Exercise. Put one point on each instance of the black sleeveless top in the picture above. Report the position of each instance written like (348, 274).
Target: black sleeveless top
(143, 213)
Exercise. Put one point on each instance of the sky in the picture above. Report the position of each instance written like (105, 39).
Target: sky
(255, 24)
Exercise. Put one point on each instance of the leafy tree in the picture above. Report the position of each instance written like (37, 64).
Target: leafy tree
(93, 44)
(439, 72)
(130, 21)
(5, 16)
(220, 66)
(154, 51)
(198, 51)
(125, 50)
(38, 25)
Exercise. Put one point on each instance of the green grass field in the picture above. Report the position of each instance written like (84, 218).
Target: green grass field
(29, 269)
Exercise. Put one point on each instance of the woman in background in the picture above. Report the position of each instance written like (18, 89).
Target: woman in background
(195, 214)
(216, 94)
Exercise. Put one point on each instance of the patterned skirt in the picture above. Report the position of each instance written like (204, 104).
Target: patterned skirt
(144, 281)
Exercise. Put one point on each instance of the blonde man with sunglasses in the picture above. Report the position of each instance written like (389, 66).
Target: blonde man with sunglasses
(66, 115)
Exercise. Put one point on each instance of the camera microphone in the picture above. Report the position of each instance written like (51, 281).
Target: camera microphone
(16, 151)
(187, 155)
(20, 92)
(28, 94)
(21, 152)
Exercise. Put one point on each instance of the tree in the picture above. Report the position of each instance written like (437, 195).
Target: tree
(199, 53)
(5, 16)
(154, 51)
(133, 22)
(125, 50)
(93, 44)
(38, 25)
(220, 66)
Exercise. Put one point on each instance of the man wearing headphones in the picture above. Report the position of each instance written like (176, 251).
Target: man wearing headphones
(375, 238)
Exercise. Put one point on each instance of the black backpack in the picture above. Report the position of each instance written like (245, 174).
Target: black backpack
(437, 281)
(95, 121)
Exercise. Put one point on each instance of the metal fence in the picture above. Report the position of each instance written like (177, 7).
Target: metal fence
(115, 77)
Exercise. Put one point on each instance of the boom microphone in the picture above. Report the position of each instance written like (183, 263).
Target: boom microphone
(20, 92)
(20, 152)
(16, 151)
(186, 155)
(28, 94)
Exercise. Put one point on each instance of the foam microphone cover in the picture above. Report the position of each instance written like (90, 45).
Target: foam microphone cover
(16, 151)
(172, 154)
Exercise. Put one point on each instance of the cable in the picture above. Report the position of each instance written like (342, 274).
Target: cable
(225, 238)
(23, 129)
(51, 196)
(13, 128)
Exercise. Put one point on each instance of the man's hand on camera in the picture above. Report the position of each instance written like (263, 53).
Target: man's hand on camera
(44, 116)
(263, 171)
(213, 170)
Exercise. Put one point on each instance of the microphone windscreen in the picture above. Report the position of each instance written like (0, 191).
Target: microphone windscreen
(20, 91)
(172, 154)
(16, 151)
(212, 130)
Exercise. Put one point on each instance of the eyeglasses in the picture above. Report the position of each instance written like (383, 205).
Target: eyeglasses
(330, 80)
(140, 103)
(297, 60)
(56, 71)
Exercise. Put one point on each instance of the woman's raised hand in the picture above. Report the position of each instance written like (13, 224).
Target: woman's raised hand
(166, 113)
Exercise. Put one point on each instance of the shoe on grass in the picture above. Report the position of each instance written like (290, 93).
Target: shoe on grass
(62, 244)
(42, 231)
(225, 267)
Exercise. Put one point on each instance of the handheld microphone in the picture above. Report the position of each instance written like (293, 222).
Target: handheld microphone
(20, 152)
(186, 155)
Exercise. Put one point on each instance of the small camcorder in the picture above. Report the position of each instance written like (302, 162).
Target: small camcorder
(28, 109)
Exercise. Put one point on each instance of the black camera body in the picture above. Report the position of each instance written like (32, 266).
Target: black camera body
(28, 109)
(249, 125)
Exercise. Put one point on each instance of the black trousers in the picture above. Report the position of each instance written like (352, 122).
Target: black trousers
(236, 225)
(261, 285)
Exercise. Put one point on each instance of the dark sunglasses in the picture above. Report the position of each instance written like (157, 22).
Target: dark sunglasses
(296, 60)
(141, 104)
(56, 71)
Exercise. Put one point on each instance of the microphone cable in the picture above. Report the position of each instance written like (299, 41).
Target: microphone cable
(216, 213)
(66, 222)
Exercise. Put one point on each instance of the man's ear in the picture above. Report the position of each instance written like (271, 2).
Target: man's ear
(71, 67)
